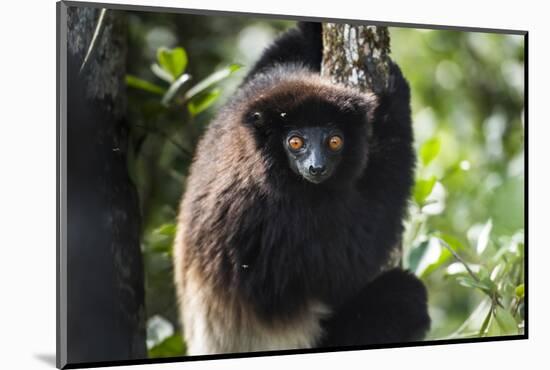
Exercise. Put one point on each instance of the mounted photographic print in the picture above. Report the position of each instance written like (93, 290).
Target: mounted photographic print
(235, 185)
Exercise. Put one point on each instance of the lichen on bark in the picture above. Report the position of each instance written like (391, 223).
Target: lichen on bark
(356, 55)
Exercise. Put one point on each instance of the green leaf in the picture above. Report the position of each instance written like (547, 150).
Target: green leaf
(166, 229)
(423, 188)
(485, 285)
(493, 330)
(483, 273)
(203, 101)
(451, 241)
(429, 150)
(490, 284)
(161, 245)
(506, 321)
(161, 239)
(138, 83)
(457, 268)
(171, 346)
(434, 257)
(485, 325)
(520, 291)
(161, 73)
(470, 282)
(211, 80)
(174, 88)
(416, 255)
(443, 259)
(483, 239)
(158, 328)
(172, 61)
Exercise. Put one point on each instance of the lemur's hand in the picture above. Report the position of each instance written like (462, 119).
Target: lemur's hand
(391, 309)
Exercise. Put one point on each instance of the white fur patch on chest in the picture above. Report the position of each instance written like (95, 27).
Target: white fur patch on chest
(211, 326)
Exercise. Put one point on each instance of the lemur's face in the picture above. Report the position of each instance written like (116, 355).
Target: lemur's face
(319, 132)
(314, 152)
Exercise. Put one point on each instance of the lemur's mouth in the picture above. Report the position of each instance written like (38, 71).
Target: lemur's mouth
(316, 178)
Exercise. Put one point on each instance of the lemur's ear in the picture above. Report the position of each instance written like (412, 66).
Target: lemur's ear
(255, 118)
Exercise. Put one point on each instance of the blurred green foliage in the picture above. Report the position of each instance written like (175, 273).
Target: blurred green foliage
(465, 233)
(464, 236)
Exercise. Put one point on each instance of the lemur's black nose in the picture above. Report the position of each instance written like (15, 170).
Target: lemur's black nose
(317, 170)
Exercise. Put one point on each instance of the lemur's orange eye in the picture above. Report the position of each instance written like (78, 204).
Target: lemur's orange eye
(335, 143)
(295, 142)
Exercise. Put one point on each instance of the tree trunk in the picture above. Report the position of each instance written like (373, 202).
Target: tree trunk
(358, 56)
(105, 291)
